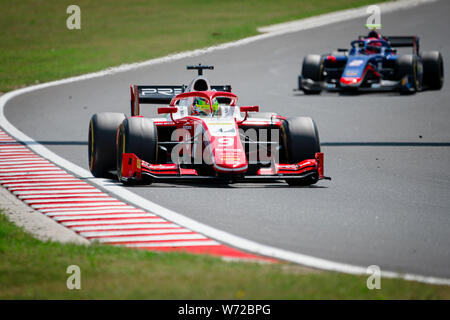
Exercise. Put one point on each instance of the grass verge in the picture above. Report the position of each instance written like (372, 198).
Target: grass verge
(32, 269)
(36, 46)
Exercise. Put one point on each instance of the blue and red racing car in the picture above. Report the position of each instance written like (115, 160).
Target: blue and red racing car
(202, 134)
(373, 63)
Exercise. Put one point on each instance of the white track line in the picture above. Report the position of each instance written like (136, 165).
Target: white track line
(184, 221)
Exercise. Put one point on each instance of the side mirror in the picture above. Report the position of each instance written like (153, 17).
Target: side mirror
(170, 110)
(249, 109)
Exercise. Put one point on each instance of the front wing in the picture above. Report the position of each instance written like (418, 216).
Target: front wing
(405, 85)
(135, 169)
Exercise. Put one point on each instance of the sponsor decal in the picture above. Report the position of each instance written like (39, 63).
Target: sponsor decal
(162, 91)
(356, 63)
(351, 73)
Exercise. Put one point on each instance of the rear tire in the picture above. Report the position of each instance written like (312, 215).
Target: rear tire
(433, 70)
(312, 68)
(411, 66)
(302, 142)
(102, 142)
(138, 136)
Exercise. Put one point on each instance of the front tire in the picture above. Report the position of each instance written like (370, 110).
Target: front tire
(312, 68)
(301, 142)
(139, 136)
(102, 141)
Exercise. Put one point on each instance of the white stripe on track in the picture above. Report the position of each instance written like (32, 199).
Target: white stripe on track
(42, 193)
(49, 185)
(193, 236)
(102, 216)
(51, 214)
(126, 227)
(30, 188)
(77, 205)
(67, 209)
(39, 180)
(38, 176)
(5, 153)
(26, 172)
(31, 157)
(113, 222)
(31, 165)
(94, 196)
(15, 156)
(51, 167)
(173, 244)
(12, 148)
(77, 200)
(23, 162)
(133, 232)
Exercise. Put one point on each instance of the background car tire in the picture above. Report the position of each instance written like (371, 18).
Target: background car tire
(409, 65)
(139, 136)
(302, 143)
(102, 142)
(433, 70)
(312, 68)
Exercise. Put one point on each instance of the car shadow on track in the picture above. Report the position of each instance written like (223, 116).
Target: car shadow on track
(217, 185)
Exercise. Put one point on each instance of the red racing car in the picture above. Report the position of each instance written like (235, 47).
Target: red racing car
(203, 135)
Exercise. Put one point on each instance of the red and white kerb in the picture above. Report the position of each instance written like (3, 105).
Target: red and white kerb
(91, 213)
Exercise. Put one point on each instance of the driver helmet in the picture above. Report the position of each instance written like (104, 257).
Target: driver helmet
(374, 34)
(201, 106)
(373, 47)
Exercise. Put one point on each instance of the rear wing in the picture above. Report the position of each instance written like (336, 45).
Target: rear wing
(401, 42)
(159, 95)
(407, 41)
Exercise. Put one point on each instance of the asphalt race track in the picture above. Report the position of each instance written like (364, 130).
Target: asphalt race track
(388, 154)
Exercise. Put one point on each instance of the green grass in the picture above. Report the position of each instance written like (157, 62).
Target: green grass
(32, 269)
(36, 46)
